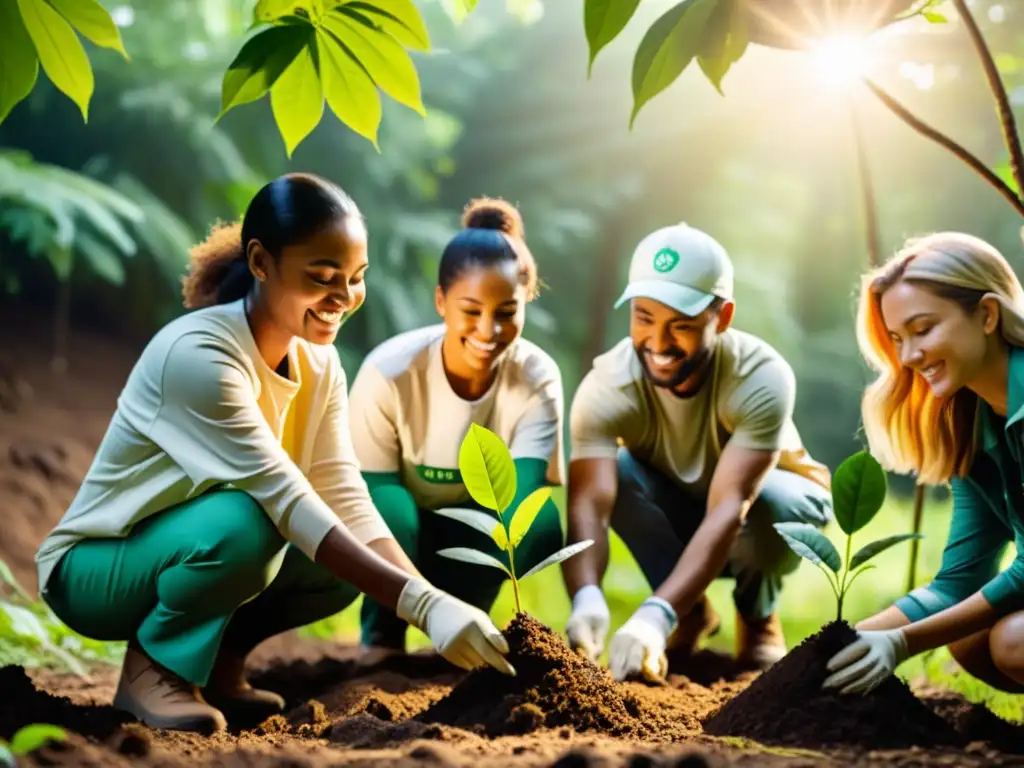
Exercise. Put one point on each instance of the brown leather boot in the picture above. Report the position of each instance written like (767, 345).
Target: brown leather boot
(162, 699)
(229, 691)
(759, 644)
(694, 628)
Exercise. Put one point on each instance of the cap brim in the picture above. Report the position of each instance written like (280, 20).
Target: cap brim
(681, 298)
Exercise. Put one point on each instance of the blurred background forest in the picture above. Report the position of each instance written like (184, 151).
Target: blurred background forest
(96, 219)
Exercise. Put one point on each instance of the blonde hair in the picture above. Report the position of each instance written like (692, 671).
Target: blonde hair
(908, 429)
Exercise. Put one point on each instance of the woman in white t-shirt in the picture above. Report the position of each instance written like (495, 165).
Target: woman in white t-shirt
(416, 395)
(224, 504)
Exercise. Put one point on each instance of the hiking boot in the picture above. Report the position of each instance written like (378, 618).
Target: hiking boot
(759, 644)
(694, 628)
(229, 691)
(162, 699)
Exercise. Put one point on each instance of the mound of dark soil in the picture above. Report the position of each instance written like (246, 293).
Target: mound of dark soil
(553, 687)
(975, 722)
(786, 706)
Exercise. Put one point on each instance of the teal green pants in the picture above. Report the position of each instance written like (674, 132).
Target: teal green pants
(208, 574)
(421, 533)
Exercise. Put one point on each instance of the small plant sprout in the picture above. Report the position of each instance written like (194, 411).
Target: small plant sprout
(858, 492)
(489, 475)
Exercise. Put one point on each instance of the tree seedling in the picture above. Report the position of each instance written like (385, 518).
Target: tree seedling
(489, 475)
(27, 740)
(858, 492)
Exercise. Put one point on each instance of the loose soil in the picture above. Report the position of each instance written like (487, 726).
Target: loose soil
(417, 709)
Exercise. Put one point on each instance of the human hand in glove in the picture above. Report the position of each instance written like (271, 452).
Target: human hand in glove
(639, 645)
(464, 635)
(865, 663)
(588, 623)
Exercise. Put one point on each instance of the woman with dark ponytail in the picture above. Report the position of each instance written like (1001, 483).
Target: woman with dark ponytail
(416, 395)
(224, 504)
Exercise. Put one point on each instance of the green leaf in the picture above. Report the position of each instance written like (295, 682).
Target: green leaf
(810, 543)
(19, 64)
(297, 99)
(459, 9)
(474, 518)
(384, 59)
(667, 48)
(526, 514)
(269, 10)
(725, 41)
(7, 576)
(399, 18)
(603, 21)
(487, 469)
(858, 491)
(350, 92)
(563, 554)
(260, 63)
(60, 52)
(29, 738)
(868, 551)
(467, 555)
(105, 263)
(93, 22)
(500, 537)
(934, 18)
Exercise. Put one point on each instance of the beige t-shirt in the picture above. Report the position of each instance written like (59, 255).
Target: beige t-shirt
(201, 408)
(405, 417)
(748, 401)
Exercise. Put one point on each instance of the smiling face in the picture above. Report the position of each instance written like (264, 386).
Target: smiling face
(938, 338)
(313, 285)
(484, 311)
(675, 349)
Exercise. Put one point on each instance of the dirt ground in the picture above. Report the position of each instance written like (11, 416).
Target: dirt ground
(418, 710)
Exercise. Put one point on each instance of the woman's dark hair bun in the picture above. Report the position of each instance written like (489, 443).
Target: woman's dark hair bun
(493, 213)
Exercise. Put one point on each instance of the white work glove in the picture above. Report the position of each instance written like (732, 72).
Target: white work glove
(865, 663)
(588, 623)
(639, 645)
(464, 635)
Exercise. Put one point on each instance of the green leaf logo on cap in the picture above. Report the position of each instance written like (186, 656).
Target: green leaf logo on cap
(665, 260)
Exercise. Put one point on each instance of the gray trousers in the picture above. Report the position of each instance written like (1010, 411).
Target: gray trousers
(656, 519)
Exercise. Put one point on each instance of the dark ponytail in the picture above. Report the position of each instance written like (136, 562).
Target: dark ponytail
(284, 212)
(492, 234)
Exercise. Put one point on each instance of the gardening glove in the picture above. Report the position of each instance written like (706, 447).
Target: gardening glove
(588, 623)
(639, 645)
(464, 635)
(866, 662)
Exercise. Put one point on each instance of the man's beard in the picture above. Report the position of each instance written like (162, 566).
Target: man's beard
(689, 367)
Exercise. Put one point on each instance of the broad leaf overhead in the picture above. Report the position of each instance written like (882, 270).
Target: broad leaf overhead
(60, 51)
(603, 20)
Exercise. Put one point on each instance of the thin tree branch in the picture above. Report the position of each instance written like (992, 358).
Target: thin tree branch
(867, 190)
(995, 83)
(940, 138)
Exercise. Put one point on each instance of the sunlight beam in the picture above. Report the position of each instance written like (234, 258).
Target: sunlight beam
(840, 60)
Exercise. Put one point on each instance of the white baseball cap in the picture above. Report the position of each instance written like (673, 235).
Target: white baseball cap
(682, 267)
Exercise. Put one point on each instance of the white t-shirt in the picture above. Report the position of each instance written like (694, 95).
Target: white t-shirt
(202, 408)
(405, 417)
(748, 400)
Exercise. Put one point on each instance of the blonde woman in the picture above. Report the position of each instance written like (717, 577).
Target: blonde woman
(943, 324)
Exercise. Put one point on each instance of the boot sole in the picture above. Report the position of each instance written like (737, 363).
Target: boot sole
(204, 724)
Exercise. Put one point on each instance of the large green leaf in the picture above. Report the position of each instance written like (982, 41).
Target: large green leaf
(858, 491)
(104, 262)
(667, 48)
(297, 98)
(868, 551)
(603, 21)
(563, 554)
(399, 18)
(725, 40)
(93, 22)
(19, 64)
(467, 555)
(526, 513)
(29, 738)
(474, 518)
(350, 92)
(269, 10)
(381, 55)
(810, 543)
(260, 63)
(488, 471)
(60, 52)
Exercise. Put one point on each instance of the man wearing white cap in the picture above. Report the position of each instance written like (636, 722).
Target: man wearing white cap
(683, 442)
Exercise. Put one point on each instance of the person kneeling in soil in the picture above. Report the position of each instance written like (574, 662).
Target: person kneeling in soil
(225, 504)
(943, 324)
(683, 441)
(417, 394)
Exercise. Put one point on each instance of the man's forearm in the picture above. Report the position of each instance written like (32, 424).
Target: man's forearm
(587, 567)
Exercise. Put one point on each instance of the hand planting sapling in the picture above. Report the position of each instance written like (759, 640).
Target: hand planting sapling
(489, 474)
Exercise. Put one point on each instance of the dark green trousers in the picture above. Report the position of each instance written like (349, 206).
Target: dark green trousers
(208, 574)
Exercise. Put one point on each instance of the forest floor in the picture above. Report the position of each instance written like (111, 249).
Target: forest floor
(417, 709)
